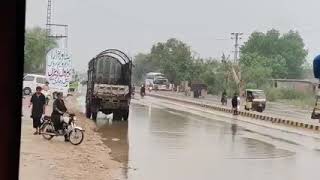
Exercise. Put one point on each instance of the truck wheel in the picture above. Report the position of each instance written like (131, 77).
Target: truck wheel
(125, 115)
(94, 116)
(117, 116)
(88, 113)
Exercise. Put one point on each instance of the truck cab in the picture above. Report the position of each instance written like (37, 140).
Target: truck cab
(109, 85)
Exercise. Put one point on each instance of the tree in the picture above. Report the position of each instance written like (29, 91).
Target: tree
(142, 65)
(174, 59)
(36, 47)
(292, 49)
(213, 74)
(255, 69)
(286, 53)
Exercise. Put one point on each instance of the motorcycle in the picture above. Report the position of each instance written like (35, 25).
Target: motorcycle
(69, 128)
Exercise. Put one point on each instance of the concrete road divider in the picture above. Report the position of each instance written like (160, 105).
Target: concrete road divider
(254, 115)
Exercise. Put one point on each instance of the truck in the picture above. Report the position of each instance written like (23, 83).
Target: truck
(157, 81)
(150, 78)
(161, 83)
(109, 85)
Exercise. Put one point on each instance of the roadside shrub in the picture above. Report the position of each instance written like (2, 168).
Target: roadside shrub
(251, 86)
(274, 94)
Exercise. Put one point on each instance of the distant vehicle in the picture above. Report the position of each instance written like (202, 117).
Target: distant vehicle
(151, 77)
(255, 100)
(31, 81)
(161, 83)
(73, 86)
(198, 88)
(109, 86)
(157, 81)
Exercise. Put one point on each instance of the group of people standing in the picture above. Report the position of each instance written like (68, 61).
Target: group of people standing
(38, 103)
(235, 102)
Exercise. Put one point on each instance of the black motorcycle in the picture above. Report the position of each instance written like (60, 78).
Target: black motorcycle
(69, 128)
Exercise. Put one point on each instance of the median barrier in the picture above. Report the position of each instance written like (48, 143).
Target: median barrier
(252, 115)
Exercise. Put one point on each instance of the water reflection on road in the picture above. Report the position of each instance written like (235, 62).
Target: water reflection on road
(160, 143)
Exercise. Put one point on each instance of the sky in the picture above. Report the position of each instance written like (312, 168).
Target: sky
(133, 26)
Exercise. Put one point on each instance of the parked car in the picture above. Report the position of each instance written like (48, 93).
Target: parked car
(31, 81)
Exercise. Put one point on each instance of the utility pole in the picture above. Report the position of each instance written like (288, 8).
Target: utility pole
(60, 36)
(236, 67)
(236, 36)
(49, 13)
(49, 26)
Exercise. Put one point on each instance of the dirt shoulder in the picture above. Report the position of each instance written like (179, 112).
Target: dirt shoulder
(56, 159)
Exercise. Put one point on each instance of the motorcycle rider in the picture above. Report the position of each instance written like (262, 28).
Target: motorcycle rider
(133, 90)
(59, 109)
(224, 98)
(142, 90)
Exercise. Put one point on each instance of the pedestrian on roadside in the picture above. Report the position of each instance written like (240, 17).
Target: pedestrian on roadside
(224, 98)
(46, 92)
(234, 103)
(37, 102)
(46, 86)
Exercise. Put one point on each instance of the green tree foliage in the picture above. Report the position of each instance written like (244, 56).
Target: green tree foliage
(211, 72)
(286, 53)
(264, 56)
(36, 48)
(174, 59)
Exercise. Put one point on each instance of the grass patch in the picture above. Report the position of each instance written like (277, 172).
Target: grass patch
(291, 97)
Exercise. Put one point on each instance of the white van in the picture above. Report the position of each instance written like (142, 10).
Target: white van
(31, 81)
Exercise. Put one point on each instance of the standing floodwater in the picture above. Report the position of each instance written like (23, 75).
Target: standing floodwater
(160, 143)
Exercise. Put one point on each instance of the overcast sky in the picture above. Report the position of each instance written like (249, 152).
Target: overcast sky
(135, 25)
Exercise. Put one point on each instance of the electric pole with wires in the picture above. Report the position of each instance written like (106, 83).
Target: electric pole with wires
(236, 36)
(236, 71)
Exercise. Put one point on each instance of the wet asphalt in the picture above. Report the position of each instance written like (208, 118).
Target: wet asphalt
(162, 143)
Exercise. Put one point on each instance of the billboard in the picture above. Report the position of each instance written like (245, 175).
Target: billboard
(59, 69)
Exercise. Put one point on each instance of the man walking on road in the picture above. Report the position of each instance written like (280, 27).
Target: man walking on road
(37, 102)
(235, 103)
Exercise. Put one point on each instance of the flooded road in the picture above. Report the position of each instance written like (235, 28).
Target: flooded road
(162, 143)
